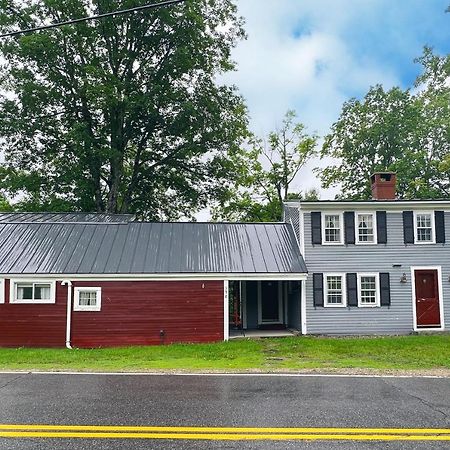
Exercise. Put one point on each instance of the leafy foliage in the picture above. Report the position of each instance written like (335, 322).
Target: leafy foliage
(121, 114)
(267, 169)
(402, 131)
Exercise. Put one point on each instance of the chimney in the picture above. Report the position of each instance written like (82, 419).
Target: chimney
(383, 185)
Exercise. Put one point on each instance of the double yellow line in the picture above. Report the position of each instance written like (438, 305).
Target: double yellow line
(223, 433)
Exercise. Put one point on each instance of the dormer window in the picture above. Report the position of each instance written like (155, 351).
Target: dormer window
(332, 228)
(424, 228)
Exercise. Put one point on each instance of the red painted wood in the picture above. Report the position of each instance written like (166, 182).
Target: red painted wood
(427, 298)
(132, 313)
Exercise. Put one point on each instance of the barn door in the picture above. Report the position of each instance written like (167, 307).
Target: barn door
(427, 299)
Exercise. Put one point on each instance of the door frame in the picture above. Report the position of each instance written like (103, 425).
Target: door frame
(280, 305)
(440, 293)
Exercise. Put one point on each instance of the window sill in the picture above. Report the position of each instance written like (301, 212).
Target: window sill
(32, 302)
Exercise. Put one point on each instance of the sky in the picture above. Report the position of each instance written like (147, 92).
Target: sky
(313, 55)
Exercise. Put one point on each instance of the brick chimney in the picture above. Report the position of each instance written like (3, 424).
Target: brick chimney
(383, 185)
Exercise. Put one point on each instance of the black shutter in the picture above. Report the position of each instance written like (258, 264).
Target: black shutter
(318, 289)
(316, 227)
(349, 226)
(385, 289)
(408, 227)
(439, 224)
(381, 227)
(352, 290)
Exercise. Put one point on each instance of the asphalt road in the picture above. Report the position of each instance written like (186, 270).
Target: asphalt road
(216, 402)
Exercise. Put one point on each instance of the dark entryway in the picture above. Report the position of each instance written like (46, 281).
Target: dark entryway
(427, 299)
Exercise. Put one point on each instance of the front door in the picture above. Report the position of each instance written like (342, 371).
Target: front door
(427, 299)
(270, 310)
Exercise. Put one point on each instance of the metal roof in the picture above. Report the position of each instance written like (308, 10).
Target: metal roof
(148, 248)
(76, 217)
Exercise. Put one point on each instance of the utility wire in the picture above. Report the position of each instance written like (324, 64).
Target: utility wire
(99, 16)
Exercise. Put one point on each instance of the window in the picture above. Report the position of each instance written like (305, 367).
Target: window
(424, 228)
(24, 291)
(335, 290)
(332, 228)
(88, 299)
(368, 292)
(366, 228)
(2, 290)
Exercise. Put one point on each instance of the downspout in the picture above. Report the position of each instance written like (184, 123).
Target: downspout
(68, 283)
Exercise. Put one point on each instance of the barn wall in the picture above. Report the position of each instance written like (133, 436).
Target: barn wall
(132, 313)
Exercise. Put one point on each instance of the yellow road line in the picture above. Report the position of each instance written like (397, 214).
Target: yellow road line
(223, 437)
(219, 430)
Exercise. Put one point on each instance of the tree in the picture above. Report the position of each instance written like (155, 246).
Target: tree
(268, 169)
(122, 114)
(397, 130)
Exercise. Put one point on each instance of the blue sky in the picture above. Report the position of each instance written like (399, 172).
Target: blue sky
(312, 55)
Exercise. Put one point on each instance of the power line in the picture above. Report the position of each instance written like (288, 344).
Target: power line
(99, 16)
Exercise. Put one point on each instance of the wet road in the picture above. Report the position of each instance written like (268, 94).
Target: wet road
(226, 412)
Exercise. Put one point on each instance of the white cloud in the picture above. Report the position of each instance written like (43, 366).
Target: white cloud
(297, 58)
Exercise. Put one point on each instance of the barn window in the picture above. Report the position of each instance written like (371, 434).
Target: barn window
(31, 291)
(88, 299)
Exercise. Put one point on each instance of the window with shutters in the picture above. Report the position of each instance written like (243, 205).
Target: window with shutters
(424, 228)
(87, 299)
(32, 291)
(332, 224)
(366, 228)
(368, 290)
(335, 292)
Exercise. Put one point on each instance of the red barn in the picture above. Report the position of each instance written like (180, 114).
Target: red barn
(97, 280)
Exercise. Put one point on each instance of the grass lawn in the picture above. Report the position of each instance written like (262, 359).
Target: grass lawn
(283, 354)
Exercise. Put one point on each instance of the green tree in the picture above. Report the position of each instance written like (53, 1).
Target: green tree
(122, 114)
(267, 170)
(398, 130)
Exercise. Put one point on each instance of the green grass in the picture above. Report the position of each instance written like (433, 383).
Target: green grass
(296, 353)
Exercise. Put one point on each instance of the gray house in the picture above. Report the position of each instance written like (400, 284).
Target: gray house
(374, 267)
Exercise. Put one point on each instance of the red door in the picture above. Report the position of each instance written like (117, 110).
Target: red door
(427, 299)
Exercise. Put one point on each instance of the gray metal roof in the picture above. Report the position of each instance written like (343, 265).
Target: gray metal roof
(77, 217)
(148, 248)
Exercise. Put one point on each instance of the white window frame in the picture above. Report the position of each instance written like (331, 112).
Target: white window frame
(341, 227)
(377, 303)
(76, 304)
(325, 290)
(13, 290)
(2, 290)
(374, 222)
(433, 230)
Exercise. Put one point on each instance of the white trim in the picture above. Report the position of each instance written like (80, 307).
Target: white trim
(280, 306)
(377, 303)
(341, 227)
(303, 307)
(166, 277)
(13, 291)
(301, 228)
(244, 303)
(226, 311)
(433, 230)
(76, 303)
(2, 290)
(344, 290)
(441, 297)
(68, 312)
(374, 224)
(378, 205)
